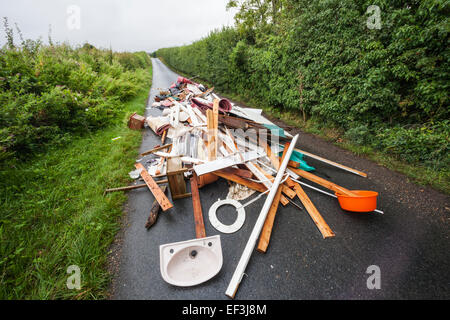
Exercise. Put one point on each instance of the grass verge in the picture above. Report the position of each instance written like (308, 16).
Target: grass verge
(426, 176)
(54, 215)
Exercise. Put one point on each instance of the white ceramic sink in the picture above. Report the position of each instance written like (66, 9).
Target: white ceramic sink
(191, 262)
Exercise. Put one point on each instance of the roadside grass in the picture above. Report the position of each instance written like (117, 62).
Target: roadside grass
(53, 213)
(438, 179)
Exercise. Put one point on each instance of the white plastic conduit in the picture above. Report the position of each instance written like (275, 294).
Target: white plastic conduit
(250, 246)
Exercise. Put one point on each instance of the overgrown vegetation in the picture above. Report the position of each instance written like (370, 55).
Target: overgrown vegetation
(385, 89)
(49, 93)
(53, 214)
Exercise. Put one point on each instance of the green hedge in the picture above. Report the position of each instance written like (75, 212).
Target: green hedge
(387, 88)
(49, 93)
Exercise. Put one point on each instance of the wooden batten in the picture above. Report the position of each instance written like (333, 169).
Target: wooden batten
(313, 212)
(266, 232)
(334, 164)
(197, 206)
(154, 188)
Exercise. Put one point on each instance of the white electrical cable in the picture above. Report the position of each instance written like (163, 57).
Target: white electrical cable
(253, 200)
(265, 165)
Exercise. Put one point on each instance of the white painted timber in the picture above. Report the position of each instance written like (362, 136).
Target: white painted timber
(226, 162)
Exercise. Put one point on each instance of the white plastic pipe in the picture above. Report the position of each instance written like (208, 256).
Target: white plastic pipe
(250, 246)
(327, 193)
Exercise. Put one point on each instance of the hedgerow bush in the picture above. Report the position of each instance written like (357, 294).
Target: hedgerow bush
(430, 141)
(319, 58)
(49, 92)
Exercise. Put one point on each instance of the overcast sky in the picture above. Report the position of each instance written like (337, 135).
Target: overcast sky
(126, 25)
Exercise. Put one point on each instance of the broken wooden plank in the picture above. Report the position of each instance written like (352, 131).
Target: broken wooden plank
(284, 201)
(154, 212)
(224, 150)
(212, 152)
(197, 205)
(294, 164)
(266, 232)
(174, 172)
(163, 136)
(289, 182)
(154, 188)
(216, 125)
(288, 191)
(132, 187)
(313, 212)
(233, 122)
(239, 172)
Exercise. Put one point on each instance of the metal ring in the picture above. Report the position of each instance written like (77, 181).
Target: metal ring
(223, 227)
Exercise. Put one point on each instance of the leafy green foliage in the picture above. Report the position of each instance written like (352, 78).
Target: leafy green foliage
(52, 211)
(319, 58)
(48, 93)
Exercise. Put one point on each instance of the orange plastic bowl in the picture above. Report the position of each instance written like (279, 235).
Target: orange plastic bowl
(366, 201)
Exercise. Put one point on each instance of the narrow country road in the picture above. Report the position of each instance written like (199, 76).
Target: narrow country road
(409, 243)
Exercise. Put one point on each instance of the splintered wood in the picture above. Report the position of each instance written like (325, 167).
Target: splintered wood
(154, 211)
(216, 125)
(268, 224)
(212, 125)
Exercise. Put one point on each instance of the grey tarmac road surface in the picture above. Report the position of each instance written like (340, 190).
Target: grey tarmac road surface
(409, 243)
